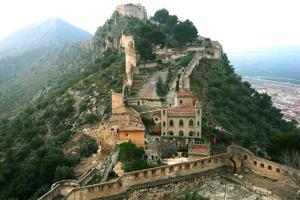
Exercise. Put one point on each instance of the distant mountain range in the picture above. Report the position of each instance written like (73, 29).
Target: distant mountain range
(50, 33)
(35, 57)
(278, 64)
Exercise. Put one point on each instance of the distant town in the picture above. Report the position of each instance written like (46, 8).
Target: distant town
(285, 96)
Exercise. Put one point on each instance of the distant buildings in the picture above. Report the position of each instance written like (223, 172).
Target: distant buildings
(285, 96)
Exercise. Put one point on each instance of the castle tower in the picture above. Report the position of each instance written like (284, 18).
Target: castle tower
(164, 120)
(198, 119)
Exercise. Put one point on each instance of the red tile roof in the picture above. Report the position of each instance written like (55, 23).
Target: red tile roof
(186, 109)
(184, 93)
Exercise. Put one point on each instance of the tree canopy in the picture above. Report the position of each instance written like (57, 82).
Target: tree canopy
(180, 32)
(161, 88)
(185, 32)
(161, 16)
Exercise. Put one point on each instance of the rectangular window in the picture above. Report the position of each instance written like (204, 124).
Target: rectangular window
(245, 157)
(262, 165)
(269, 167)
(254, 162)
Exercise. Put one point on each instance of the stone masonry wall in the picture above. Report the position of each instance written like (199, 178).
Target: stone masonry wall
(245, 158)
(128, 180)
(236, 157)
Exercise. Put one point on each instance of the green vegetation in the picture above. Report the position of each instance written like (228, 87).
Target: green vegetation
(32, 153)
(184, 61)
(88, 148)
(190, 194)
(161, 88)
(242, 115)
(36, 72)
(285, 148)
(146, 35)
(132, 157)
(185, 32)
(178, 32)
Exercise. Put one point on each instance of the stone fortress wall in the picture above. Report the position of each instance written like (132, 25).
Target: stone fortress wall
(133, 10)
(127, 42)
(235, 158)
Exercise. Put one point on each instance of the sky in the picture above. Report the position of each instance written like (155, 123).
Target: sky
(237, 24)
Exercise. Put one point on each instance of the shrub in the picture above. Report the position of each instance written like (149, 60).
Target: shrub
(88, 148)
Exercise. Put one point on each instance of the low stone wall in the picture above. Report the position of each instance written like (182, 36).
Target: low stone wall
(245, 158)
(236, 157)
(61, 188)
(147, 176)
(88, 177)
(148, 65)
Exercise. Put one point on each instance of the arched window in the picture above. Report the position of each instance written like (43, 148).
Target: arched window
(191, 122)
(198, 123)
(164, 123)
(180, 133)
(198, 134)
(180, 122)
(171, 123)
(191, 133)
(171, 133)
(180, 102)
(198, 112)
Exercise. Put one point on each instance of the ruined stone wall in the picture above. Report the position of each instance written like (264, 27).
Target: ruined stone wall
(133, 10)
(245, 158)
(127, 42)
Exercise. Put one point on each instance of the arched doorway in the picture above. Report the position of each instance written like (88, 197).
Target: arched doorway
(233, 163)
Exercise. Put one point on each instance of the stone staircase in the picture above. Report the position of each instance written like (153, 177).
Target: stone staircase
(138, 82)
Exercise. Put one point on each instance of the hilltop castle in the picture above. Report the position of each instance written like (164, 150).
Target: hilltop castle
(179, 119)
(133, 10)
